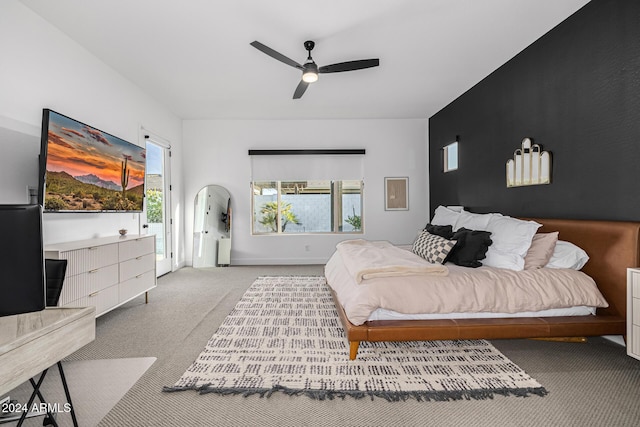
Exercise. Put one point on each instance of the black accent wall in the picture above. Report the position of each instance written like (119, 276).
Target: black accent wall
(576, 92)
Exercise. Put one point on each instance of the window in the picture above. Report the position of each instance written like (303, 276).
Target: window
(296, 191)
(451, 157)
(312, 206)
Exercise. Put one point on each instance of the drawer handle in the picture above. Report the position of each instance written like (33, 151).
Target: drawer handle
(93, 294)
(92, 248)
(138, 276)
(93, 271)
(138, 258)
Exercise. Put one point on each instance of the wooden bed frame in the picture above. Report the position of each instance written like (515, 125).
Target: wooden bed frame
(613, 246)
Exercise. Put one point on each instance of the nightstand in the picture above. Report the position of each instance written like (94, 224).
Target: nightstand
(633, 312)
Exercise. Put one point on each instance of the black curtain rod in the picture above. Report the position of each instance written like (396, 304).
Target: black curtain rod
(306, 152)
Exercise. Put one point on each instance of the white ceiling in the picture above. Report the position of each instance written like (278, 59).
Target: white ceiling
(194, 56)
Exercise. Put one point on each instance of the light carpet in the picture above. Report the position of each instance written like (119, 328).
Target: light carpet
(95, 387)
(284, 335)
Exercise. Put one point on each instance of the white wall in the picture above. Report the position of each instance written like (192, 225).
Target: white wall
(216, 152)
(19, 149)
(42, 68)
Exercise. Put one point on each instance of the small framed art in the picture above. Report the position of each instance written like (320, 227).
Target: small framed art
(396, 194)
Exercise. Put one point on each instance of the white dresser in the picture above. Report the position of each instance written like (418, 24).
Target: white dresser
(106, 272)
(633, 312)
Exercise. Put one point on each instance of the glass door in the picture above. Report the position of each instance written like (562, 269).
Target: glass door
(158, 203)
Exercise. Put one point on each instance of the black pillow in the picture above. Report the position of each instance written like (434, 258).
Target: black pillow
(445, 231)
(470, 248)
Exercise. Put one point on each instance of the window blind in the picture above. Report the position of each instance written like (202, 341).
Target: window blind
(305, 165)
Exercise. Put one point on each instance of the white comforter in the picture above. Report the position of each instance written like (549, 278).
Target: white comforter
(367, 260)
(463, 290)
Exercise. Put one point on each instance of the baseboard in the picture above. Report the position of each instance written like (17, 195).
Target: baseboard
(279, 261)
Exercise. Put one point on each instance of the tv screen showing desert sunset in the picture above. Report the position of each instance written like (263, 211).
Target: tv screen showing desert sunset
(90, 170)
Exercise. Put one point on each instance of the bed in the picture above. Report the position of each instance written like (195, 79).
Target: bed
(612, 246)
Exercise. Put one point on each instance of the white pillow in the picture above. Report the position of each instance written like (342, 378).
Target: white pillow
(472, 221)
(499, 259)
(511, 240)
(512, 235)
(455, 208)
(567, 255)
(444, 216)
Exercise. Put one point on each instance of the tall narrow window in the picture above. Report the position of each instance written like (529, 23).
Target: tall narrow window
(265, 207)
(451, 157)
(350, 206)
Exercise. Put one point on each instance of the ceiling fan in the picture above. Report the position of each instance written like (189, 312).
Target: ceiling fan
(310, 70)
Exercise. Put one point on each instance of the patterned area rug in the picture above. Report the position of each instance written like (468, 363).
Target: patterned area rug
(285, 335)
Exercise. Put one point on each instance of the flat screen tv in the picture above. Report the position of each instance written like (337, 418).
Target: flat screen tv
(83, 169)
(22, 279)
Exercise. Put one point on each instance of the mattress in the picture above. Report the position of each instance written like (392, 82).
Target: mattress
(579, 310)
(485, 292)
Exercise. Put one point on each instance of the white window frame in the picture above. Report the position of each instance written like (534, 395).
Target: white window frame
(450, 157)
(335, 214)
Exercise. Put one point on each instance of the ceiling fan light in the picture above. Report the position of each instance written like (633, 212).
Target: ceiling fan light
(310, 76)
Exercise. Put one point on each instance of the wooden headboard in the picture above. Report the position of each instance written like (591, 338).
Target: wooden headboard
(612, 246)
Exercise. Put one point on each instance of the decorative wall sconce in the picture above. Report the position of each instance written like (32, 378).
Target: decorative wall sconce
(529, 166)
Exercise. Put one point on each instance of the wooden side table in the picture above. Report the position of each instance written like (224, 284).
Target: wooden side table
(30, 343)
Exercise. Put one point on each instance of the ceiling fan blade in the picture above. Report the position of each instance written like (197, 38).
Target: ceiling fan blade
(349, 66)
(276, 55)
(302, 87)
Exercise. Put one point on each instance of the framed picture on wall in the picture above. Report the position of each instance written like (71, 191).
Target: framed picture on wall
(396, 194)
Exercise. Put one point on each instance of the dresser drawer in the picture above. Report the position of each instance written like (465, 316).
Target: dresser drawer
(103, 300)
(136, 266)
(90, 258)
(635, 344)
(136, 247)
(86, 283)
(636, 313)
(137, 285)
(635, 284)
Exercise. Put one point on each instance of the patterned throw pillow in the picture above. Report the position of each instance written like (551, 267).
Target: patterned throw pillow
(432, 248)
